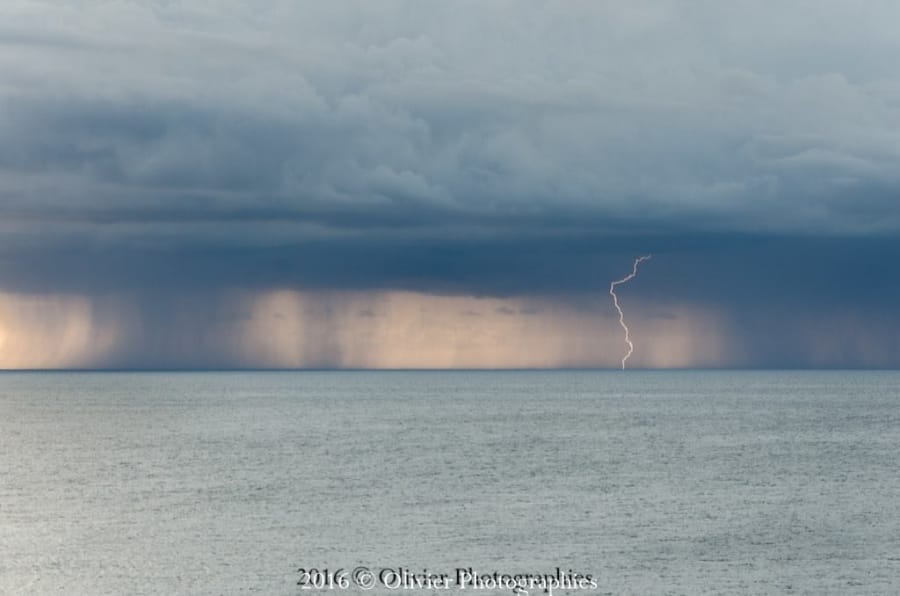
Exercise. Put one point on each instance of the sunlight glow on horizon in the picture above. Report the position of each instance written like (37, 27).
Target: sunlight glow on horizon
(379, 330)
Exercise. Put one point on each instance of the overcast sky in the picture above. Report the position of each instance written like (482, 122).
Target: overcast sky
(281, 183)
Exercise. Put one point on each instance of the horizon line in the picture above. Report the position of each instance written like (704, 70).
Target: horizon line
(501, 369)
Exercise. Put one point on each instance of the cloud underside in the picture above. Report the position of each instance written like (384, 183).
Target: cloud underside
(161, 161)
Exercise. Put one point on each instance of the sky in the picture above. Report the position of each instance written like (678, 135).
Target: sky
(448, 184)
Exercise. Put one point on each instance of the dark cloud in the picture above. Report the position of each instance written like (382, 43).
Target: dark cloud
(508, 149)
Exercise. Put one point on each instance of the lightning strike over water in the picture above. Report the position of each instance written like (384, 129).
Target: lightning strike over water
(612, 292)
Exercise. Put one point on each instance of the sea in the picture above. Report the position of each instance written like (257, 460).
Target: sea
(320, 482)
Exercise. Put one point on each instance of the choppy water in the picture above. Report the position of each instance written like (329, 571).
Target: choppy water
(655, 483)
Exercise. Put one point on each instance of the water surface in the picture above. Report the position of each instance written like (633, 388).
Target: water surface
(655, 483)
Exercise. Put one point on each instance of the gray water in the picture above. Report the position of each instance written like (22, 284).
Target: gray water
(654, 483)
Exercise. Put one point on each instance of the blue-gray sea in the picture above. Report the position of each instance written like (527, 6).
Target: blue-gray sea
(651, 482)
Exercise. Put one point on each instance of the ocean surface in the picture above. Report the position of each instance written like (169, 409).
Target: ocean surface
(651, 482)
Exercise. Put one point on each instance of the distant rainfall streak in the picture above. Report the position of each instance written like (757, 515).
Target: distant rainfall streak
(612, 292)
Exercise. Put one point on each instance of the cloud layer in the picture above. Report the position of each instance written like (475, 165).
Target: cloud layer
(154, 152)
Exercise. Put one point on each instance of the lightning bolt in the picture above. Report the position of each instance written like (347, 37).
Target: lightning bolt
(612, 292)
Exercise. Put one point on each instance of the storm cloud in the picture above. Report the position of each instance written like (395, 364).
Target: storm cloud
(165, 164)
